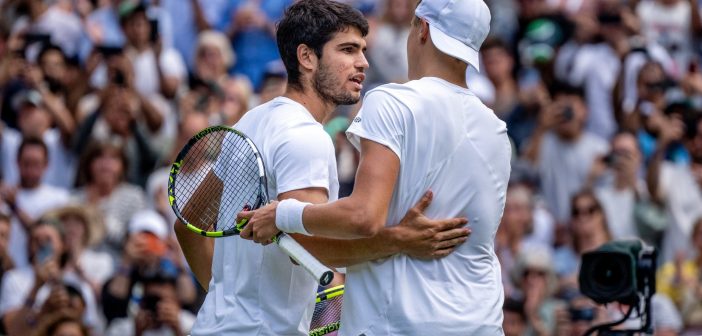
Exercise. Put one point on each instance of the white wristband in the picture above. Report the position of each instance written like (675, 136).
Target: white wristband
(288, 216)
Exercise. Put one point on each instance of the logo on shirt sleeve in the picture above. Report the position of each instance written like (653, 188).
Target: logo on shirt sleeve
(357, 119)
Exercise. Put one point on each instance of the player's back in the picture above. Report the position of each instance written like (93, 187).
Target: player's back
(450, 143)
(255, 289)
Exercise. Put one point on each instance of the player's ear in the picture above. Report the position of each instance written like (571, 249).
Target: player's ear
(423, 30)
(306, 57)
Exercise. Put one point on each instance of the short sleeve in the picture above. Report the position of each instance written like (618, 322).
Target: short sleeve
(12, 293)
(379, 120)
(302, 159)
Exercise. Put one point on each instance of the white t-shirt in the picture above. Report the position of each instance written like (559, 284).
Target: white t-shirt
(596, 68)
(563, 168)
(34, 202)
(671, 27)
(683, 200)
(451, 143)
(618, 205)
(256, 290)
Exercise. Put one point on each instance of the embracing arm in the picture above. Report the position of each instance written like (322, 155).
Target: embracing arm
(416, 236)
(364, 214)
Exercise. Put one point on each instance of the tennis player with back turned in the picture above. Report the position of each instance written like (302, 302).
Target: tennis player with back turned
(430, 133)
(257, 290)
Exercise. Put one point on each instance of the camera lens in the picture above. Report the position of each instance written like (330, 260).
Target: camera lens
(607, 273)
(607, 277)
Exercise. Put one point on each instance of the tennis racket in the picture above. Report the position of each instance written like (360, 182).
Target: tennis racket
(218, 173)
(327, 311)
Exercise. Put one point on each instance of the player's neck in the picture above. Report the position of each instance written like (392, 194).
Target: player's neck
(445, 69)
(318, 108)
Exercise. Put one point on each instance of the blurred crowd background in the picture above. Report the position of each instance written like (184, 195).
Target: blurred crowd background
(602, 98)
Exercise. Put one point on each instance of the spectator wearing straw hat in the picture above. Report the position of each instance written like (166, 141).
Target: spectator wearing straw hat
(84, 232)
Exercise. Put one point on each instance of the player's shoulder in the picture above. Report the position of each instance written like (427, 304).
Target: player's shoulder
(398, 91)
(279, 114)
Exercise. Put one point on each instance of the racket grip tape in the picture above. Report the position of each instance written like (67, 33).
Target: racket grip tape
(292, 248)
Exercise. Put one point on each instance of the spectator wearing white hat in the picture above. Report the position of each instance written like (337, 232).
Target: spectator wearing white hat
(149, 246)
(534, 275)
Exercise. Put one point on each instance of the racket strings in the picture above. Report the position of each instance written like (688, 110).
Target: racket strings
(326, 316)
(217, 201)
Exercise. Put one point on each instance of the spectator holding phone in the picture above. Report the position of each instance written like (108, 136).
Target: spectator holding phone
(30, 292)
(146, 252)
(156, 70)
(158, 312)
(624, 194)
(562, 151)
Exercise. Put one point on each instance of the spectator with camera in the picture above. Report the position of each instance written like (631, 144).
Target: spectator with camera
(158, 312)
(124, 118)
(562, 151)
(45, 286)
(624, 194)
(37, 112)
(157, 70)
(146, 251)
(677, 187)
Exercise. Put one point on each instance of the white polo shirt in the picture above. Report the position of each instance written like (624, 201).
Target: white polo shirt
(257, 290)
(451, 143)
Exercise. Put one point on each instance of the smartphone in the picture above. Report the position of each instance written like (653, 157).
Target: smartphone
(567, 113)
(154, 30)
(45, 252)
(109, 51)
(30, 38)
(149, 302)
(582, 314)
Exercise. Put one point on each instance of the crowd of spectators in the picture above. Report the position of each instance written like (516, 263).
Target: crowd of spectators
(602, 98)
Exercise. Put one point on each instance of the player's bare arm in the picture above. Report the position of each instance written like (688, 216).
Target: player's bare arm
(197, 249)
(416, 236)
(360, 215)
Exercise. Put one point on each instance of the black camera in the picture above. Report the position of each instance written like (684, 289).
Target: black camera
(150, 302)
(621, 271)
(618, 272)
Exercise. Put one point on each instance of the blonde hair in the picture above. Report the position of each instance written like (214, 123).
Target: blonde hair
(220, 41)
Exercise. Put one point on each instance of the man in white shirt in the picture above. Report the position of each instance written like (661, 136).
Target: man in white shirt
(256, 290)
(431, 133)
(30, 198)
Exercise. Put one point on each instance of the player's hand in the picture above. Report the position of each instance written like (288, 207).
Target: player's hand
(261, 224)
(425, 238)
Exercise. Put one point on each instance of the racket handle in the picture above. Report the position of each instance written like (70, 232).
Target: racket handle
(292, 248)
